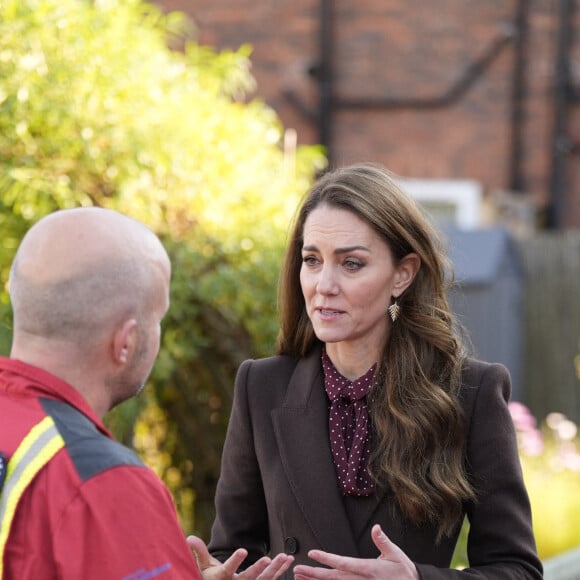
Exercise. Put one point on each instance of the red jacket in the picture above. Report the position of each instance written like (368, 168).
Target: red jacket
(94, 511)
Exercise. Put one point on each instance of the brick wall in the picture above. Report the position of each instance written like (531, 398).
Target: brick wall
(389, 49)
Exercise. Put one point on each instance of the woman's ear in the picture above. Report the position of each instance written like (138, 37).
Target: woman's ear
(124, 341)
(405, 273)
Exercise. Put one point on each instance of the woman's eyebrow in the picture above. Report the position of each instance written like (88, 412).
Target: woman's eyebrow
(344, 250)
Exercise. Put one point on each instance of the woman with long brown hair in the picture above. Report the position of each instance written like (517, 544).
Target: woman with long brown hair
(371, 412)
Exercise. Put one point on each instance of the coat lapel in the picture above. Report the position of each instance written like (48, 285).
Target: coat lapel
(301, 427)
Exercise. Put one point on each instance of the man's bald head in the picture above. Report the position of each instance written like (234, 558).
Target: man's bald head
(78, 271)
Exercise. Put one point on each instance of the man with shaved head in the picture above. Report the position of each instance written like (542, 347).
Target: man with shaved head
(89, 288)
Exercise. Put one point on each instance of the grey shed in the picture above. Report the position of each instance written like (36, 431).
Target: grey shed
(488, 296)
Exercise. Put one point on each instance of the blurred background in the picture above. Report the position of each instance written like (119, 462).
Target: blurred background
(209, 120)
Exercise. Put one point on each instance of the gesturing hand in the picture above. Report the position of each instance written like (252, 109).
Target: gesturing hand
(211, 569)
(392, 563)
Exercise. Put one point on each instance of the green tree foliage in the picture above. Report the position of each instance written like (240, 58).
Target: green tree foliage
(96, 110)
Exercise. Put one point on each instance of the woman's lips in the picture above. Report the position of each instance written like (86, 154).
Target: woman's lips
(329, 313)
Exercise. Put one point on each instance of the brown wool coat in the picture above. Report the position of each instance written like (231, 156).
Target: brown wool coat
(278, 491)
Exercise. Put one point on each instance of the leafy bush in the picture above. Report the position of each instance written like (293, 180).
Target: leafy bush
(95, 109)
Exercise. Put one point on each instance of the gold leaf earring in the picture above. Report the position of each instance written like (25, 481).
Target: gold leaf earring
(394, 310)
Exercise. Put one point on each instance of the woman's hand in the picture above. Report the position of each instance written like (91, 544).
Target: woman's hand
(392, 563)
(211, 569)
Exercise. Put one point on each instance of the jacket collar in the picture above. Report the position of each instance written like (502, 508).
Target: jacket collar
(301, 427)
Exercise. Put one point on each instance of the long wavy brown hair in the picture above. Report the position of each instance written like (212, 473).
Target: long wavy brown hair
(418, 426)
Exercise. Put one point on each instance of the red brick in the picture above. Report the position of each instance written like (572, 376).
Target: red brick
(409, 50)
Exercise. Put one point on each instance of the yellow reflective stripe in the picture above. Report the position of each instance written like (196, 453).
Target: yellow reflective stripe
(39, 446)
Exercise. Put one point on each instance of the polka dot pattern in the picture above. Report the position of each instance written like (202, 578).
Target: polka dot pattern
(348, 425)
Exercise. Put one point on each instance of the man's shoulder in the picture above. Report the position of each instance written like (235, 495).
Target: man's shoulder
(90, 451)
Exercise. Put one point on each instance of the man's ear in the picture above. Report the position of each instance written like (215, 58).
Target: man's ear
(124, 341)
(406, 270)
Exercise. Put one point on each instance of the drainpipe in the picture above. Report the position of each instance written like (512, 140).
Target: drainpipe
(323, 73)
(325, 77)
(453, 94)
(561, 145)
(516, 178)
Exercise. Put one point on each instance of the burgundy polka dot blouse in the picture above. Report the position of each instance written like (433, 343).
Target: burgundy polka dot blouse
(348, 423)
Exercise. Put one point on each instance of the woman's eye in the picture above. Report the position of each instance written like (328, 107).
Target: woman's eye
(309, 260)
(352, 264)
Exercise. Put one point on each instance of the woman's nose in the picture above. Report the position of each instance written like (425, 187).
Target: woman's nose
(326, 283)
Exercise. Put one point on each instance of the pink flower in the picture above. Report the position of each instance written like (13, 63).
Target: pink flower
(522, 417)
(531, 442)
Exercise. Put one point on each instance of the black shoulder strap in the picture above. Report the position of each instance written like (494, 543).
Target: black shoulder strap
(91, 451)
